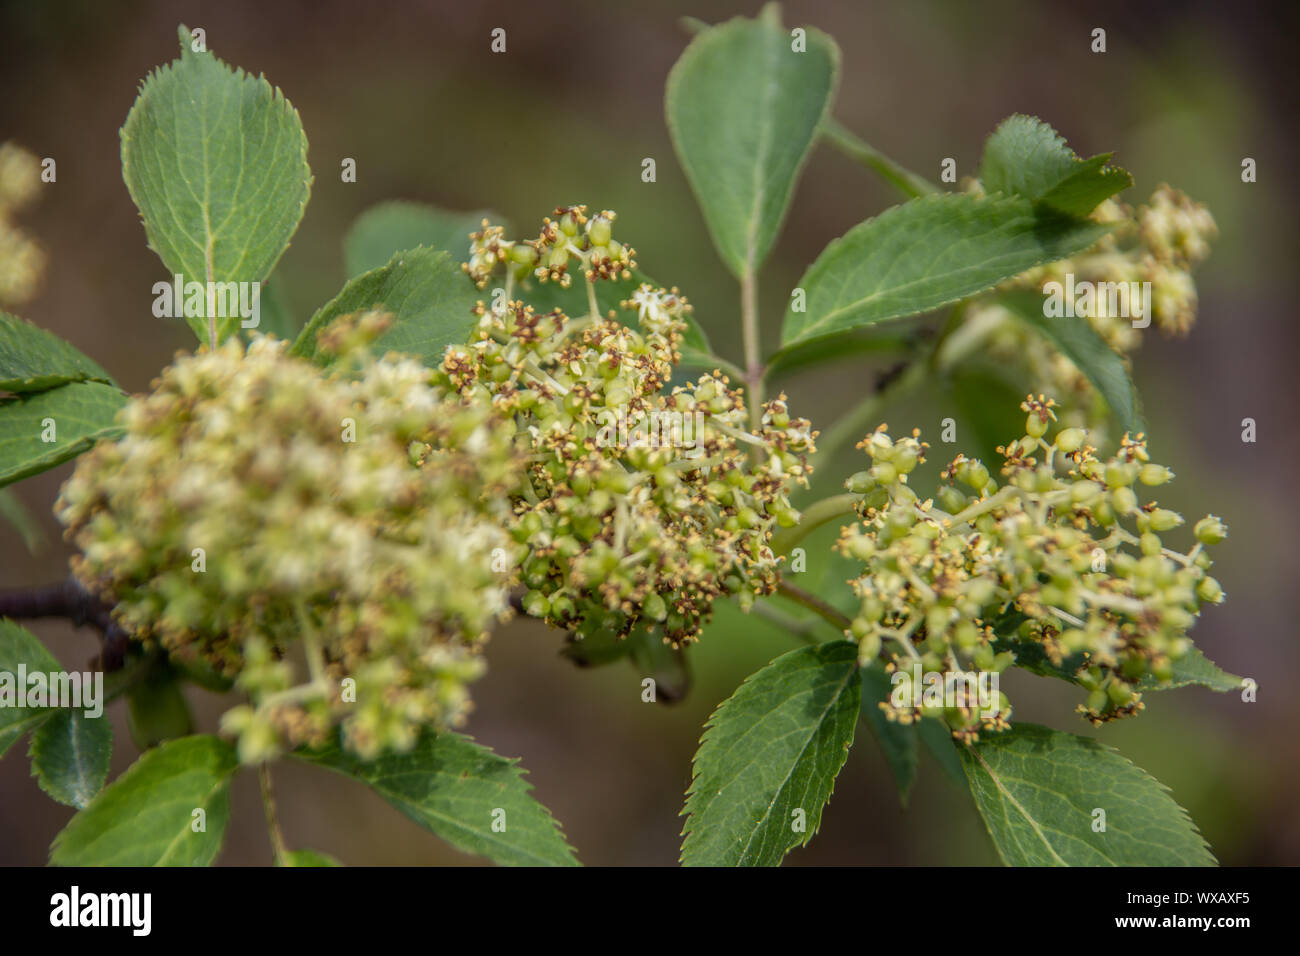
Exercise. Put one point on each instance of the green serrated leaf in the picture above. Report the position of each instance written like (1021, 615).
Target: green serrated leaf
(81, 414)
(390, 227)
(216, 162)
(19, 646)
(70, 754)
(459, 789)
(1027, 157)
(33, 360)
(431, 300)
(1038, 790)
(900, 742)
(769, 757)
(743, 107)
(1079, 342)
(307, 858)
(1195, 669)
(926, 253)
(146, 817)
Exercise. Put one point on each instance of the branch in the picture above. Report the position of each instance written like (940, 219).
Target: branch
(814, 604)
(812, 518)
(69, 600)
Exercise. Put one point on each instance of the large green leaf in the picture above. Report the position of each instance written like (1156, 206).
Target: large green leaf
(33, 360)
(216, 162)
(743, 107)
(1077, 340)
(431, 300)
(474, 799)
(900, 742)
(82, 414)
(70, 754)
(1038, 791)
(146, 817)
(924, 254)
(1027, 157)
(769, 757)
(393, 226)
(19, 646)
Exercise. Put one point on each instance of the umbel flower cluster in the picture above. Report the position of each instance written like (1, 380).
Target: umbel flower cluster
(638, 505)
(262, 515)
(1061, 564)
(22, 263)
(1160, 243)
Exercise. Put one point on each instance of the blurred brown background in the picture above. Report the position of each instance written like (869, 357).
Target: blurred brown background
(411, 91)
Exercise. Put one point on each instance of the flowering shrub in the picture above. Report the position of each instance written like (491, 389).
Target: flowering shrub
(327, 523)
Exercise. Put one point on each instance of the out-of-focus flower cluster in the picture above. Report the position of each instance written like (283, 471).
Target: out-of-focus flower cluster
(1059, 564)
(261, 514)
(22, 262)
(637, 505)
(1161, 242)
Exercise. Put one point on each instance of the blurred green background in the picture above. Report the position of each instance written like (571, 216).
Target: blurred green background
(412, 93)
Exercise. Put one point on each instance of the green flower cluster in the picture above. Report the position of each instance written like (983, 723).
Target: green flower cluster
(261, 514)
(571, 236)
(1060, 565)
(638, 505)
